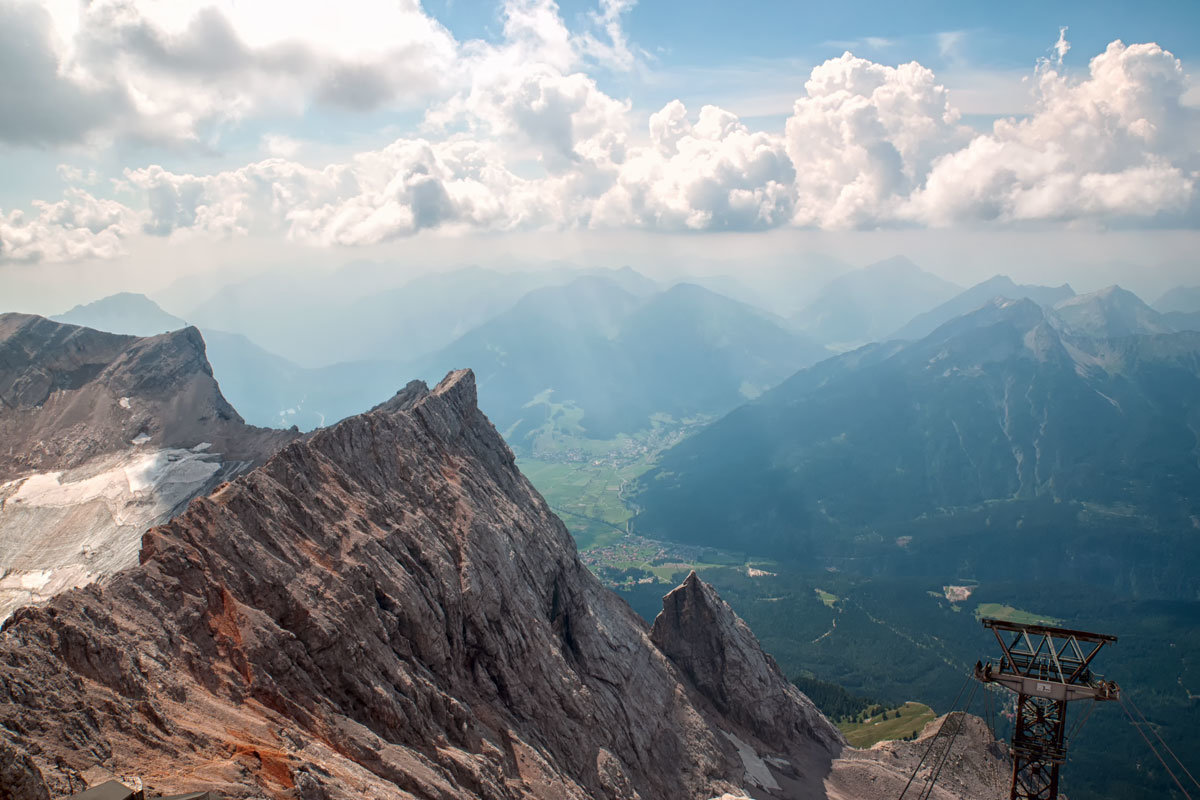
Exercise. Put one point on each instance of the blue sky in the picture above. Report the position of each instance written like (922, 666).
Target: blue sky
(384, 127)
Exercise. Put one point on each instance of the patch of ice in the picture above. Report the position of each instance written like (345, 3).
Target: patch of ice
(123, 402)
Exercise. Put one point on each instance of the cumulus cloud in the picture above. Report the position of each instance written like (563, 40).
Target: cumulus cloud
(77, 227)
(712, 175)
(161, 71)
(41, 107)
(863, 138)
(526, 138)
(411, 185)
(530, 91)
(1116, 144)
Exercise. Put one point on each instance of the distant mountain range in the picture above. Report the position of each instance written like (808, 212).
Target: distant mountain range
(1181, 299)
(869, 303)
(592, 356)
(998, 420)
(597, 356)
(925, 323)
(267, 389)
(125, 313)
(317, 322)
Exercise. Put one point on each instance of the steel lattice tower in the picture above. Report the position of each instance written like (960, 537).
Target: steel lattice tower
(1047, 667)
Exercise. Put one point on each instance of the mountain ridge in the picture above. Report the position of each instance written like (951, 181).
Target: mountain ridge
(387, 608)
(995, 409)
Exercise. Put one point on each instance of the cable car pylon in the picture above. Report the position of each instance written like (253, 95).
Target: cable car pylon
(1047, 668)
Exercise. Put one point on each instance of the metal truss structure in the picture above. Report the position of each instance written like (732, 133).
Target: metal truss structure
(1047, 668)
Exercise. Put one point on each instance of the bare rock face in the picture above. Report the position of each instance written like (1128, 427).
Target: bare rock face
(388, 609)
(101, 437)
(69, 394)
(19, 777)
(716, 650)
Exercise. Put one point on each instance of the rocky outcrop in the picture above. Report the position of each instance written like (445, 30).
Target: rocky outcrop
(972, 765)
(388, 609)
(103, 437)
(718, 653)
(69, 394)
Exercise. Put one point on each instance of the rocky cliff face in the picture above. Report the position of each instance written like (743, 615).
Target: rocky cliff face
(388, 609)
(101, 437)
(69, 394)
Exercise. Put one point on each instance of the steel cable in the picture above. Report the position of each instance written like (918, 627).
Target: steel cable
(936, 736)
(1150, 744)
(962, 720)
(1166, 747)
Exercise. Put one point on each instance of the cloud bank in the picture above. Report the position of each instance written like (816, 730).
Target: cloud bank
(518, 134)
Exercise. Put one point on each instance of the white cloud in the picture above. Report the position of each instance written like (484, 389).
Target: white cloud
(713, 175)
(524, 138)
(280, 146)
(1062, 46)
(615, 52)
(529, 92)
(159, 72)
(76, 228)
(1116, 144)
(863, 138)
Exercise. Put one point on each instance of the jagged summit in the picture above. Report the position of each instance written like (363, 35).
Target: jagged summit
(106, 435)
(68, 394)
(717, 651)
(388, 609)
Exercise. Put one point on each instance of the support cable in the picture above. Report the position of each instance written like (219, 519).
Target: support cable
(1150, 744)
(1079, 725)
(962, 721)
(1166, 747)
(933, 741)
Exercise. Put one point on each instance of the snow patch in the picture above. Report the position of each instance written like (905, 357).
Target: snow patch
(141, 438)
(123, 402)
(200, 448)
(60, 530)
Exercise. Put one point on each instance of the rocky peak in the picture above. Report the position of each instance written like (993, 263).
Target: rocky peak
(104, 436)
(1110, 313)
(388, 609)
(69, 394)
(700, 633)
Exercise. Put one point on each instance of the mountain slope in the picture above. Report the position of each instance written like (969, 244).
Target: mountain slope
(339, 318)
(1182, 299)
(591, 350)
(105, 436)
(995, 417)
(387, 609)
(869, 303)
(700, 352)
(1110, 313)
(999, 286)
(125, 312)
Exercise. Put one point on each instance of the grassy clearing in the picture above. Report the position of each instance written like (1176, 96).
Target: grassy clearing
(901, 722)
(586, 494)
(828, 598)
(1015, 615)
